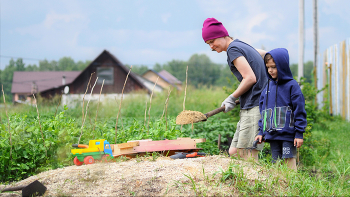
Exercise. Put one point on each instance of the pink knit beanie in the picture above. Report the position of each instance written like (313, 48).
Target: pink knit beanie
(212, 29)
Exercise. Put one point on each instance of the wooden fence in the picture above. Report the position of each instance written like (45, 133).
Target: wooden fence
(335, 71)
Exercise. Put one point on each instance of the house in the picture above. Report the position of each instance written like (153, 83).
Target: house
(165, 79)
(24, 84)
(72, 84)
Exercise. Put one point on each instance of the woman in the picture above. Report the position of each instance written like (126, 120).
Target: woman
(247, 64)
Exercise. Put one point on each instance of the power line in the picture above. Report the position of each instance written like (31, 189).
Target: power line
(24, 58)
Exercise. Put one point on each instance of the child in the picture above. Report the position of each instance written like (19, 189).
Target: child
(282, 108)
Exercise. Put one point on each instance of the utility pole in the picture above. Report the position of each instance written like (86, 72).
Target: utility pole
(301, 39)
(315, 44)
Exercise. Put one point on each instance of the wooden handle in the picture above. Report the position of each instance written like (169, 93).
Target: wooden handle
(13, 189)
(215, 111)
(218, 110)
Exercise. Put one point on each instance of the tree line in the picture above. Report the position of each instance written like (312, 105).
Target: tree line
(201, 70)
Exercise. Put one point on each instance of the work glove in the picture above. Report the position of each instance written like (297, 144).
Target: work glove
(229, 103)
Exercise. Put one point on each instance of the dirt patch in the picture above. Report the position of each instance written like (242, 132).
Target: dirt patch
(143, 177)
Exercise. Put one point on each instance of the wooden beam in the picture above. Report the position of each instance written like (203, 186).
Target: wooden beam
(139, 140)
(122, 151)
(330, 90)
(201, 140)
(344, 72)
(197, 140)
(325, 77)
(128, 144)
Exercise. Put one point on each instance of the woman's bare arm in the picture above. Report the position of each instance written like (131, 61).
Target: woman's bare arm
(249, 78)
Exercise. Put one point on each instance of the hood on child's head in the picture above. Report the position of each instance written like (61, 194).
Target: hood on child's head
(281, 59)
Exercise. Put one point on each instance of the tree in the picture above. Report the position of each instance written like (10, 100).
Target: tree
(202, 71)
(32, 67)
(67, 64)
(308, 71)
(157, 67)
(7, 76)
(44, 65)
(226, 76)
(20, 65)
(141, 69)
(82, 65)
(177, 68)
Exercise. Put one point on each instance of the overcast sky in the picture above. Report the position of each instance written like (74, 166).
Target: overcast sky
(157, 31)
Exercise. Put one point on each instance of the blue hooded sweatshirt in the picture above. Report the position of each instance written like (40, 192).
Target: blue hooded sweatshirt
(282, 104)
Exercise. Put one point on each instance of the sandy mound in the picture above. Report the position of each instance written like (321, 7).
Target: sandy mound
(143, 177)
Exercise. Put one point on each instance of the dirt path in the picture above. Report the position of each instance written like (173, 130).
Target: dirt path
(143, 177)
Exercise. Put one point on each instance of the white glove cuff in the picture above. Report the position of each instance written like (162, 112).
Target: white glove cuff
(233, 98)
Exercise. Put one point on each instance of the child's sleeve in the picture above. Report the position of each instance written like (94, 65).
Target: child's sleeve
(298, 102)
(261, 105)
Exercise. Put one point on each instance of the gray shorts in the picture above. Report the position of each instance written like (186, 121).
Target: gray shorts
(247, 129)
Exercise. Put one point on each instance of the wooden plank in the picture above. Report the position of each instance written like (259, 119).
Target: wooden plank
(163, 145)
(139, 140)
(324, 77)
(344, 72)
(128, 144)
(167, 152)
(197, 140)
(201, 140)
(336, 80)
(121, 151)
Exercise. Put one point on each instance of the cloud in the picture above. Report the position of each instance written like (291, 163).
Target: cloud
(339, 8)
(217, 8)
(146, 56)
(130, 38)
(83, 29)
(57, 35)
(165, 17)
(247, 19)
(53, 19)
(55, 24)
(256, 20)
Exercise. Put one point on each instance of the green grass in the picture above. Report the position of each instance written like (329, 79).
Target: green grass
(61, 127)
(203, 100)
(331, 148)
(324, 171)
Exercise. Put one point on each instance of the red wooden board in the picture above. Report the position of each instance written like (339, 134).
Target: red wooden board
(164, 145)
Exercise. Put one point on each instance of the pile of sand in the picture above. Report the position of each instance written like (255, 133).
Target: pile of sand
(143, 177)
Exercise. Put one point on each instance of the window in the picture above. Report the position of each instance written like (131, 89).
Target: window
(22, 97)
(105, 74)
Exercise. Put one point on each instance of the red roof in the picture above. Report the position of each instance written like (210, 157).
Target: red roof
(22, 81)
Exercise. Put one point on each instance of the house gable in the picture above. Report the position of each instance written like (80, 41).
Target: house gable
(165, 79)
(107, 61)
